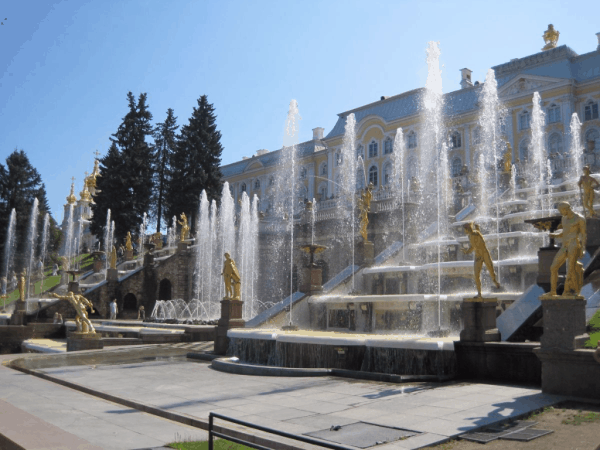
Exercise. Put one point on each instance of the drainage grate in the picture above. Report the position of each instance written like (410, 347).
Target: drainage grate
(493, 432)
(525, 435)
(362, 434)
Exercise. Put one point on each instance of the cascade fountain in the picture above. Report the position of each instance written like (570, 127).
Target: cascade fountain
(576, 147)
(398, 182)
(539, 155)
(44, 247)
(67, 251)
(107, 238)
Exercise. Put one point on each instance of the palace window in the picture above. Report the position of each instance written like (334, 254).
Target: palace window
(456, 167)
(256, 184)
(324, 169)
(591, 111)
(271, 181)
(339, 159)
(360, 178)
(524, 151)
(373, 149)
(243, 187)
(323, 191)
(387, 174)
(360, 151)
(455, 140)
(388, 146)
(303, 173)
(373, 175)
(412, 167)
(555, 144)
(412, 139)
(525, 121)
(553, 114)
(591, 137)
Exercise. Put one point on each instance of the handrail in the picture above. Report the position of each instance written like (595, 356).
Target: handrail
(308, 440)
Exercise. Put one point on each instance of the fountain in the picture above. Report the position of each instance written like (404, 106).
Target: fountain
(9, 253)
(32, 243)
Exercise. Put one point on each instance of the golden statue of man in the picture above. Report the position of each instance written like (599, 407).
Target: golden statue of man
(365, 206)
(587, 183)
(113, 258)
(80, 303)
(507, 158)
(574, 236)
(232, 279)
(185, 229)
(22, 285)
(482, 255)
(128, 244)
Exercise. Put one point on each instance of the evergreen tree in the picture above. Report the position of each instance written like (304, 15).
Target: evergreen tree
(20, 184)
(164, 144)
(127, 173)
(195, 163)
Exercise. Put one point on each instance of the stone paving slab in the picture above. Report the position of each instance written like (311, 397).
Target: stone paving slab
(68, 419)
(301, 405)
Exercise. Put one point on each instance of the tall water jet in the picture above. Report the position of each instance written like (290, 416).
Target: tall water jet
(313, 216)
(245, 252)
(203, 254)
(253, 255)
(490, 119)
(226, 227)
(67, 252)
(513, 181)
(399, 157)
(215, 257)
(347, 198)
(9, 249)
(537, 142)
(44, 246)
(31, 241)
(107, 243)
(576, 147)
(433, 154)
(142, 234)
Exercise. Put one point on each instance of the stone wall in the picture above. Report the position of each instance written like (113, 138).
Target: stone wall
(11, 336)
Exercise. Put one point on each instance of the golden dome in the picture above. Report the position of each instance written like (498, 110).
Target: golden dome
(71, 199)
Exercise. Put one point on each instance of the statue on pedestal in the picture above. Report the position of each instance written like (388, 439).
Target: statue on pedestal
(22, 286)
(80, 303)
(364, 205)
(232, 279)
(185, 229)
(113, 258)
(574, 238)
(586, 185)
(482, 255)
(128, 244)
(550, 38)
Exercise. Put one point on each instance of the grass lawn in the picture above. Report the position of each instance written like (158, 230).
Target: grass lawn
(219, 444)
(595, 334)
(49, 282)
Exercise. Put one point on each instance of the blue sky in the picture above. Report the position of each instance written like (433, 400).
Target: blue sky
(68, 65)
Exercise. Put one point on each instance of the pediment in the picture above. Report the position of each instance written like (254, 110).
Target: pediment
(254, 166)
(528, 84)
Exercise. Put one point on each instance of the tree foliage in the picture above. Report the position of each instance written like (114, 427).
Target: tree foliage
(126, 173)
(20, 185)
(165, 140)
(194, 164)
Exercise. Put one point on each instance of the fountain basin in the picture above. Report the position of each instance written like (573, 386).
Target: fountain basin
(304, 349)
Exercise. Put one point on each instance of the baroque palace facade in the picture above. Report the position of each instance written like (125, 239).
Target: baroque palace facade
(566, 81)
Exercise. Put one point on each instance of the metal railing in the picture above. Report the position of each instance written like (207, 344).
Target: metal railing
(212, 433)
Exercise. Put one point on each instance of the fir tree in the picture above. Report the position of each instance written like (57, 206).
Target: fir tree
(20, 184)
(165, 140)
(195, 163)
(127, 173)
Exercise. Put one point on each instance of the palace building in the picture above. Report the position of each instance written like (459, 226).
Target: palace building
(567, 83)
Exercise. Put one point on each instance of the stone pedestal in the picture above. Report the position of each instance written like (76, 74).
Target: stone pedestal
(366, 253)
(74, 287)
(314, 283)
(182, 246)
(112, 275)
(84, 341)
(479, 320)
(231, 317)
(564, 322)
(128, 255)
(149, 259)
(593, 234)
(19, 315)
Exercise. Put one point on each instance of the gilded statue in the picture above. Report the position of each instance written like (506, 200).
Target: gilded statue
(80, 303)
(574, 237)
(586, 184)
(550, 38)
(90, 181)
(113, 258)
(156, 239)
(365, 206)
(22, 286)
(482, 255)
(232, 279)
(128, 244)
(185, 229)
(507, 158)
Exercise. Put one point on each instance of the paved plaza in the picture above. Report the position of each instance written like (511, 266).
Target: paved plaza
(189, 388)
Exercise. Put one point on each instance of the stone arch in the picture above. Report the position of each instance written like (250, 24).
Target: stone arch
(164, 289)
(130, 302)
